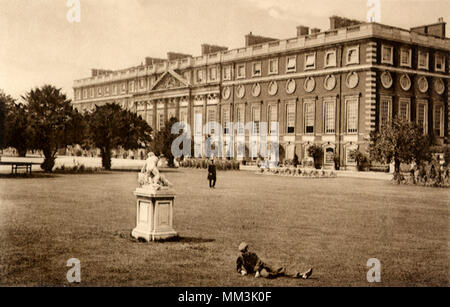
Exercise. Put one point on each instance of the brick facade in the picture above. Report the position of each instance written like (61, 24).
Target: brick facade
(330, 88)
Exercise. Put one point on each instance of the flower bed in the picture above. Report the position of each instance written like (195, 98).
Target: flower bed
(298, 172)
(429, 175)
(221, 165)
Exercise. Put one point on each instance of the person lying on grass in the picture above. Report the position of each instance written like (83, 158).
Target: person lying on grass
(249, 263)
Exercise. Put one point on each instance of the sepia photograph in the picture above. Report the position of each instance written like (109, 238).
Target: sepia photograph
(234, 145)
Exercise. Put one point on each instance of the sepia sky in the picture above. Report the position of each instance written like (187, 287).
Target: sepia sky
(39, 46)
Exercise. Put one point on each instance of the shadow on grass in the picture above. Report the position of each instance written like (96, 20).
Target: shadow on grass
(28, 176)
(178, 239)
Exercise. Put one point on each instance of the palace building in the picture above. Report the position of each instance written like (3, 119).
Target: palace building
(331, 88)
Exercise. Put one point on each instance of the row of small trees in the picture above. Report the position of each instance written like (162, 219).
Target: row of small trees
(46, 121)
(399, 142)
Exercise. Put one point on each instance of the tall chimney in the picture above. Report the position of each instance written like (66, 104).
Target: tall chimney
(302, 31)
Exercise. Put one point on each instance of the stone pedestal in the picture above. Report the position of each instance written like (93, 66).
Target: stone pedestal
(154, 214)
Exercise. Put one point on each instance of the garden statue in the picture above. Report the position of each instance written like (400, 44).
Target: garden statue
(154, 203)
(149, 177)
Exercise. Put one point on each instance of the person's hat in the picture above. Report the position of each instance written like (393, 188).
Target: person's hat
(243, 246)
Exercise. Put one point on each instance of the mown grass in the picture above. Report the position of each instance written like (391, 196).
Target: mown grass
(334, 225)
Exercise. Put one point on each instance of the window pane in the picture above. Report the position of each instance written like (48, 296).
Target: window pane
(404, 110)
(291, 63)
(257, 68)
(329, 117)
(331, 59)
(352, 116)
(404, 57)
(225, 120)
(310, 59)
(309, 117)
(437, 120)
(256, 119)
(421, 116)
(384, 111)
(387, 54)
(290, 118)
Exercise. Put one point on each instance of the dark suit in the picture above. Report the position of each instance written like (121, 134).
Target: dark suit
(212, 175)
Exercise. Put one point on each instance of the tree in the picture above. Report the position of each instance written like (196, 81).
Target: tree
(401, 142)
(316, 152)
(162, 143)
(50, 116)
(5, 102)
(17, 132)
(111, 127)
(361, 159)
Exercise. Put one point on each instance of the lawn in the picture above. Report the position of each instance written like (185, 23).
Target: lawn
(333, 225)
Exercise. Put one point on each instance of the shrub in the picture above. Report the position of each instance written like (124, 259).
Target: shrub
(316, 152)
(362, 161)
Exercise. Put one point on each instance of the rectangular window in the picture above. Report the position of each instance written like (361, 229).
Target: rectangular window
(423, 59)
(85, 92)
(240, 71)
(440, 63)
(273, 118)
(290, 118)
(124, 87)
(329, 116)
(309, 116)
(256, 114)
(211, 119)
(199, 76)
(273, 66)
(150, 117)
(352, 55)
(387, 55)
(351, 113)
(404, 107)
(198, 121)
(256, 70)
(227, 72)
(226, 120)
(183, 115)
(438, 120)
(92, 92)
(131, 86)
(106, 90)
(160, 119)
(291, 64)
(212, 73)
(422, 116)
(240, 119)
(310, 61)
(405, 57)
(99, 91)
(114, 89)
(385, 110)
(330, 58)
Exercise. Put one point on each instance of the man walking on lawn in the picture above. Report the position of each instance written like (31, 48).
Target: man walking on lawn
(249, 263)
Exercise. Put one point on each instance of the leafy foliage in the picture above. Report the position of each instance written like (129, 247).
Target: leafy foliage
(401, 142)
(50, 121)
(162, 143)
(316, 152)
(110, 127)
(362, 161)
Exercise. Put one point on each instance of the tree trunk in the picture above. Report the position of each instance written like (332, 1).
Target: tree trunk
(106, 158)
(397, 174)
(49, 160)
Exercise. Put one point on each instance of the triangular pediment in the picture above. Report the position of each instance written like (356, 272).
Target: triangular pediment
(170, 80)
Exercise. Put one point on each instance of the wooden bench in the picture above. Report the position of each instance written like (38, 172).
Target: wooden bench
(19, 165)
